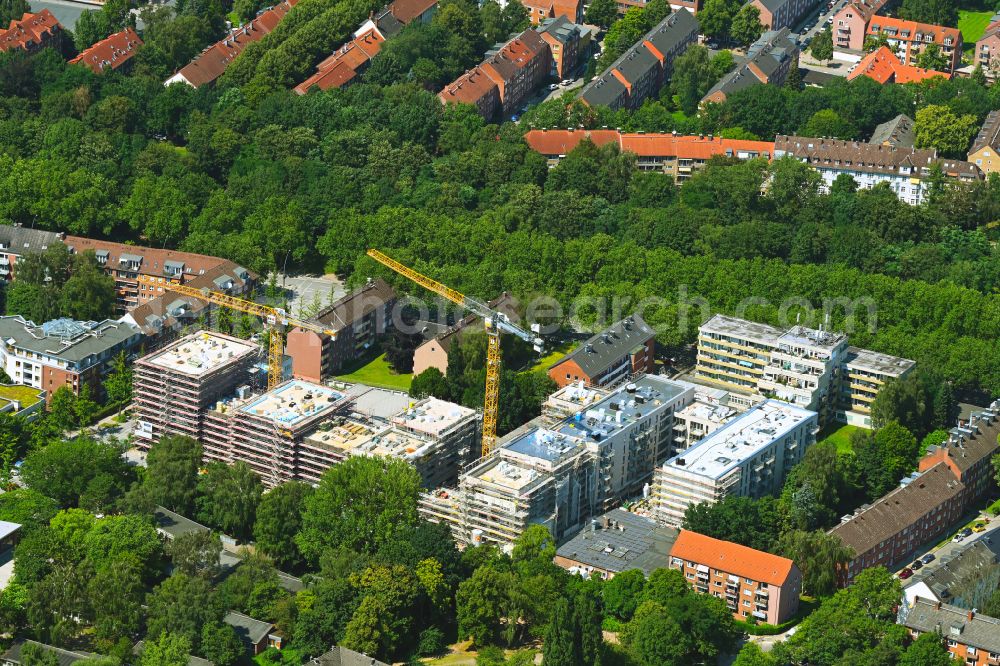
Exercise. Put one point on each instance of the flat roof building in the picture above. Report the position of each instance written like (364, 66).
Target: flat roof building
(865, 373)
(615, 542)
(747, 457)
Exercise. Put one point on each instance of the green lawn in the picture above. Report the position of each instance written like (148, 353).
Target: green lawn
(553, 357)
(973, 25)
(841, 436)
(25, 395)
(377, 372)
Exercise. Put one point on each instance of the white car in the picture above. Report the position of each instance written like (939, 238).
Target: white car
(553, 86)
(566, 82)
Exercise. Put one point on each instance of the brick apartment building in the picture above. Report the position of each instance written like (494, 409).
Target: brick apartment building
(434, 352)
(541, 10)
(972, 638)
(850, 24)
(987, 53)
(754, 584)
(904, 169)
(63, 352)
(346, 63)
(883, 66)
(112, 53)
(31, 33)
(951, 479)
(212, 62)
(909, 39)
(475, 87)
(623, 350)
(986, 144)
(359, 319)
(17, 241)
(778, 14)
(125, 263)
(565, 44)
(643, 69)
(768, 61)
(675, 155)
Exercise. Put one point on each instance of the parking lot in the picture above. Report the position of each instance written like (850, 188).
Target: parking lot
(306, 294)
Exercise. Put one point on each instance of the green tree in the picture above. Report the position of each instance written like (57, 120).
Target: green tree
(166, 649)
(124, 537)
(654, 637)
(828, 123)
(78, 470)
(359, 504)
(196, 553)
(36, 654)
(221, 645)
(621, 594)
(932, 58)
(11, 10)
(561, 647)
(430, 382)
(751, 655)
(28, 508)
(118, 384)
(818, 556)
(279, 519)
(602, 12)
(184, 605)
(928, 650)
(746, 28)
(940, 128)
(62, 409)
(172, 472)
(116, 595)
(935, 12)
(693, 75)
(821, 46)
(663, 586)
(716, 17)
(742, 520)
(228, 496)
(89, 293)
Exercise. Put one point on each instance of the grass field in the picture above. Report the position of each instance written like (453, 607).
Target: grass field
(972, 25)
(550, 359)
(840, 436)
(25, 395)
(377, 372)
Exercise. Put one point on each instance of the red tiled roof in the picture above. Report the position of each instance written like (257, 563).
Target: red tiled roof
(153, 259)
(341, 67)
(406, 10)
(561, 142)
(938, 33)
(336, 75)
(469, 88)
(865, 8)
(111, 52)
(515, 55)
(31, 29)
(883, 66)
(732, 558)
(211, 63)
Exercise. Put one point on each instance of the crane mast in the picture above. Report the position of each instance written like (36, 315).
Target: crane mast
(496, 323)
(275, 318)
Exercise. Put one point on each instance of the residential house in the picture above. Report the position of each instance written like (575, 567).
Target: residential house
(908, 39)
(31, 33)
(541, 10)
(351, 59)
(615, 542)
(17, 241)
(14, 656)
(898, 132)
(564, 40)
(864, 373)
(621, 351)
(63, 352)
(968, 451)
(255, 635)
(984, 146)
(501, 83)
(850, 25)
(125, 263)
(359, 320)
(212, 62)
(778, 14)
(162, 317)
(768, 61)
(10, 534)
(640, 72)
(972, 638)
(518, 68)
(754, 584)
(883, 66)
(434, 352)
(341, 656)
(675, 155)
(987, 53)
(111, 52)
(966, 578)
(904, 169)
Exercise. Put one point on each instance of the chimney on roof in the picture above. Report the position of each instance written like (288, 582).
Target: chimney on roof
(972, 614)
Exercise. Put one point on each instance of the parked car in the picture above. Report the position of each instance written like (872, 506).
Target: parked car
(928, 558)
(979, 527)
(958, 538)
(553, 86)
(566, 82)
(917, 564)
(905, 573)
(966, 532)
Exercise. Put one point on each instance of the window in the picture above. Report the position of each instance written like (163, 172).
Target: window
(746, 602)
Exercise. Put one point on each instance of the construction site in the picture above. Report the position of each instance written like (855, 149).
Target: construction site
(209, 386)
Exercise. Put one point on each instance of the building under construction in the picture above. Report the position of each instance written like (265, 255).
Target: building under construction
(175, 386)
(589, 451)
(203, 386)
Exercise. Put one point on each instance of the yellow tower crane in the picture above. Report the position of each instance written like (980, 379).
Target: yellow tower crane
(496, 323)
(274, 317)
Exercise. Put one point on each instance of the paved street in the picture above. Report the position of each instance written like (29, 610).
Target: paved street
(951, 547)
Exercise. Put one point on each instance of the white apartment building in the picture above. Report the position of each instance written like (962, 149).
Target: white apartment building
(712, 408)
(563, 473)
(813, 369)
(748, 457)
